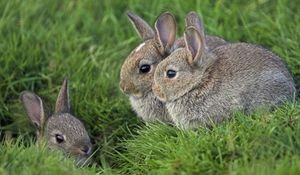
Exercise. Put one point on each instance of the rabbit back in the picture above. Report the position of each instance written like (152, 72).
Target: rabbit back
(244, 77)
(256, 74)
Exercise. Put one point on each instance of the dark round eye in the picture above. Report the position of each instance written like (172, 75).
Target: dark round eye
(59, 138)
(171, 73)
(145, 68)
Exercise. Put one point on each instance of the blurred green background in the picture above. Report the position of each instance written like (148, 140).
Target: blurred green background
(43, 41)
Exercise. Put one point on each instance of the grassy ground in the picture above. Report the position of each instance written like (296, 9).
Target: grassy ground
(41, 42)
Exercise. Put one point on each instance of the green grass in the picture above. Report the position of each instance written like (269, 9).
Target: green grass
(18, 158)
(43, 41)
(257, 144)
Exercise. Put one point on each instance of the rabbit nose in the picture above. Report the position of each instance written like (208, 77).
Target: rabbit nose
(86, 150)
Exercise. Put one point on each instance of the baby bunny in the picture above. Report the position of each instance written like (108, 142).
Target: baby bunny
(62, 131)
(201, 86)
(137, 71)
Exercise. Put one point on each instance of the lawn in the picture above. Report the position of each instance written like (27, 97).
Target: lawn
(43, 41)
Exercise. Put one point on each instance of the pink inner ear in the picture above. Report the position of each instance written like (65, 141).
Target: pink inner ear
(34, 113)
(164, 36)
(194, 43)
(194, 46)
(166, 30)
(34, 108)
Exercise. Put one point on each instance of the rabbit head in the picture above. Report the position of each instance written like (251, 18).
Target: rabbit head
(184, 68)
(137, 72)
(62, 131)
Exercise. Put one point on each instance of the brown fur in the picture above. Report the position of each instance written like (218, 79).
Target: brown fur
(155, 48)
(212, 84)
(76, 140)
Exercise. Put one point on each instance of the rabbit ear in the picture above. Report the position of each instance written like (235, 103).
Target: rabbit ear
(34, 107)
(62, 102)
(193, 19)
(142, 28)
(165, 27)
(195, 45)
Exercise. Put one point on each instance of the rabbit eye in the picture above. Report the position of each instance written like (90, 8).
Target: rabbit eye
(145, 68)
(171, 73)
(59, 138)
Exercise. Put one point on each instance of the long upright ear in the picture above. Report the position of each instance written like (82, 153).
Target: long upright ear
(193, 19)
(62, 102)
(34, 107)
(165, 28)
(195, 45)
(142, 28)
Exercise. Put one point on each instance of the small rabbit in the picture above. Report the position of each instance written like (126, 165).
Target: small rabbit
(61, 130)
(200, 86)
(137, 71)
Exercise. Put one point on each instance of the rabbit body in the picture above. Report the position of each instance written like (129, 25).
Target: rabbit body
(150, 108)
(231, 77)
(157, 45)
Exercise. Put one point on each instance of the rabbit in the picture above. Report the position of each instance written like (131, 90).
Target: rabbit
(201, 87)
(136, 75)
(137, 72)
(61, 130)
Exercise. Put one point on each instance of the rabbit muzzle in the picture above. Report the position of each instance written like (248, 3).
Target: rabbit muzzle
(128, 88)
(82, 149)
(82, 153)
(158, 92)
